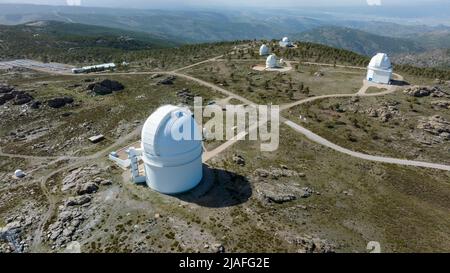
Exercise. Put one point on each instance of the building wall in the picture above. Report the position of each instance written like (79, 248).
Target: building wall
(173, 180)
(379, 76)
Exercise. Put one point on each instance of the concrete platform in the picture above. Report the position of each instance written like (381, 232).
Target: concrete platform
(278, 69)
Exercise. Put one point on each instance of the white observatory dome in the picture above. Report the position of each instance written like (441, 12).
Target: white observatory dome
(380, 69)
(380, 61)
(271, 61)
(285, 40)
(264, 50)
(19, 174)
(173, 163)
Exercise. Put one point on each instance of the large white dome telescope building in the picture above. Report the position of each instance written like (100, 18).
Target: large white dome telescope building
(380, 69)
(272, 62)
(171, 150)
(264, 50)
(285, 42)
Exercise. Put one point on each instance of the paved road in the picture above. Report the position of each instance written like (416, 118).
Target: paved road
(224, 146)
(78, 161)
(310, 135)
(199, 63)
(214, 87)
(320, 140)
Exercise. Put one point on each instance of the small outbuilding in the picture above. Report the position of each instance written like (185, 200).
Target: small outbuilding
(264, 50)
(380, 69)
(96, 138)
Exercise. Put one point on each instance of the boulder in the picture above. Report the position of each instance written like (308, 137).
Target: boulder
(218, 248)
(277, 193)
(310, 244)
(59, 102)
(77, 201)
(425, 91)
(239, 160)
(101, 90)
(35, 104)
(105, 87)
(6, 97)
(437, 126)
(5, 88)
(445, 104)
(272, 197)
(112, 85)
(22, 98)
(385, 113)
(167, 81)
(87, 188)
(306, 192)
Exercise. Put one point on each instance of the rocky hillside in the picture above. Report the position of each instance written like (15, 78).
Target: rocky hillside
(433, 58)
(358, 41)
(58, 38)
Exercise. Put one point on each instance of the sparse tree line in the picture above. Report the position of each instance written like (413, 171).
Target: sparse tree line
(77, 51)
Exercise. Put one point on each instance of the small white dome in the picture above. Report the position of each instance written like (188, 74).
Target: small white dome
(380, 61)
(285, 40)
(172, 150)
(19, 173)
(271, 61)
(264, 50)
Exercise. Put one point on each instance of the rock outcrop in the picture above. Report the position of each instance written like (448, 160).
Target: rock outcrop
(311, 244)
(106, 87)
(386, 112)
(59, 102)
(425, 91)
(436, 126)
(8, 93)
(441, 104)
(167, 81)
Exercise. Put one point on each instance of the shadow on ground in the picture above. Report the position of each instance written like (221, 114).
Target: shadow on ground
(218, 189)
(399, 83)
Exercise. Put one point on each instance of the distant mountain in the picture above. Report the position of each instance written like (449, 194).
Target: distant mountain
(432, 39)
(63, 38)
(358, 41)
(189, 26)
(211, 25)
(439, 58)
(391, 29)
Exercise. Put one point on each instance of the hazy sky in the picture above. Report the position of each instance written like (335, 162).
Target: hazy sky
(232, 3)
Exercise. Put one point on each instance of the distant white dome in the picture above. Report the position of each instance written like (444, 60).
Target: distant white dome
(285, 42)
(264, 50)
(380, 61)
(271, 61)
(172, 150)
(19, 174)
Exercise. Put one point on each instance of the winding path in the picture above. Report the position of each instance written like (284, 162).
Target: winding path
(310, 135)
(78, 161)
(322, 141)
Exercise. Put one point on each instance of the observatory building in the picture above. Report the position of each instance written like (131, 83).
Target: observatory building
(272, 61)
(171, 150)
(285, 42)
(94, 68)
(380, 69)
(264, 50)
